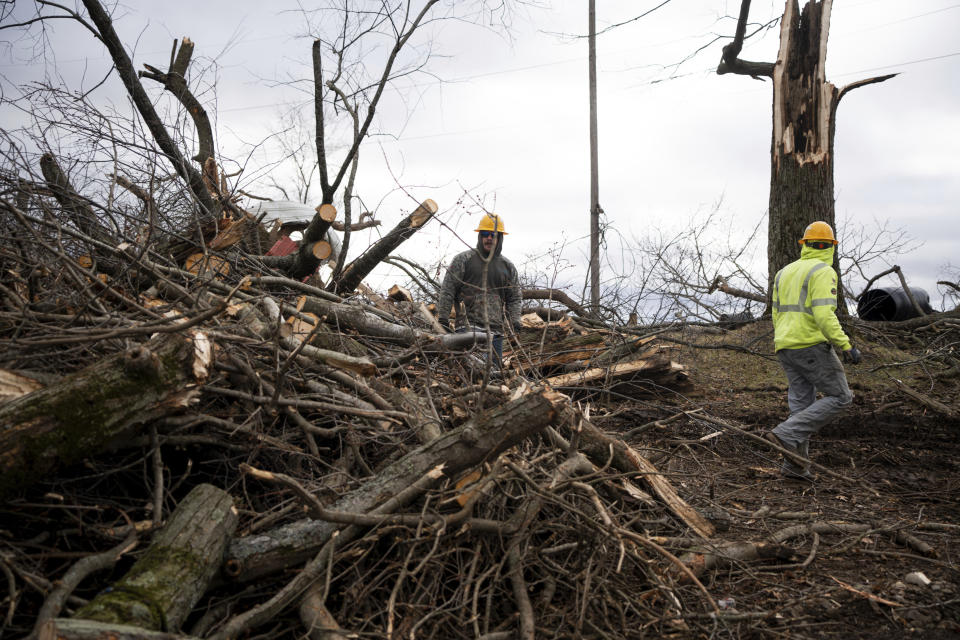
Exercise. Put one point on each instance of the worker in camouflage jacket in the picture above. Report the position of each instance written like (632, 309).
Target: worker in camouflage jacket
(495, 305)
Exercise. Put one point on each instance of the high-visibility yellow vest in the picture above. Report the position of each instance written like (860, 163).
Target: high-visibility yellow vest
(804, 301)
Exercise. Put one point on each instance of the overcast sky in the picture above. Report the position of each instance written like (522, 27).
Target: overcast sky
(503, 118)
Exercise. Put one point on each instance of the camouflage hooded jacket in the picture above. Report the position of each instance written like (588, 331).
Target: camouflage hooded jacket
(462, 283)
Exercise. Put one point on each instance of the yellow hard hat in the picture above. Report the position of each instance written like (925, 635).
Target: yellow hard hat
(818, 231)
(487, 224)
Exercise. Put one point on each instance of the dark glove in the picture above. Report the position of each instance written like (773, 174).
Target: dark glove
(852, 355)
(444, 322)
(517, 325)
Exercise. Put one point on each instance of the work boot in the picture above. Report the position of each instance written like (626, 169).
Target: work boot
(802, 476)
(793, 453)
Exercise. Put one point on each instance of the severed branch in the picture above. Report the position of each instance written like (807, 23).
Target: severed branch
(78, 208)
(730, 61)
(720, 284)
(863, 83)
(554, 294)
(361, 267)
(175, 81)
(144, 104)
(480, 439)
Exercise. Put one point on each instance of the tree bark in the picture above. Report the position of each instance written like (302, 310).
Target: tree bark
(164, 585)
(804, 114)
(85, 410)
(365, 263)
(480, 439)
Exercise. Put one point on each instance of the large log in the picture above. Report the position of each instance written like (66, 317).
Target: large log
(163, 586)
(75, 418)
(482, 438)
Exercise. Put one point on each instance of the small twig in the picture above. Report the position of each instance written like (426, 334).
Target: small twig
(866, 595)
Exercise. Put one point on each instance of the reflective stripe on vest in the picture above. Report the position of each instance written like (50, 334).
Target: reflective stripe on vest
(800, 307)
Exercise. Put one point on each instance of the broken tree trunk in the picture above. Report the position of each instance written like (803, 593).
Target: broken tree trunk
(363, 265)
(804, 124)
(480, 439)
(304, 261)
(163, 586)
(79, 415)
(574, 348)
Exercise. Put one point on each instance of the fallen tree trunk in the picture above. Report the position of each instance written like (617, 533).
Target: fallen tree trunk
(79, 415)
(163, 586)
(365, 263)
(480, 439)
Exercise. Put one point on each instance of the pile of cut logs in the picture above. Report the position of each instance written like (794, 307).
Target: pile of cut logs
(225, 452)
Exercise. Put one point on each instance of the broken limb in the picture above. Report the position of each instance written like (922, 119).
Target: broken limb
(601, 447)
(361, 267)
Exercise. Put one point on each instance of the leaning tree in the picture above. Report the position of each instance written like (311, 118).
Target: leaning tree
(804, 123)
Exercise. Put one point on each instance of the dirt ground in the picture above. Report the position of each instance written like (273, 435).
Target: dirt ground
(835, 557)
(902, 462)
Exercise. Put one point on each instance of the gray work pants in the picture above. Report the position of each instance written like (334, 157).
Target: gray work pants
(810, 370)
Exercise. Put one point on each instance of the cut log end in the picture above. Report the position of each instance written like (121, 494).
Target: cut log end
(399, 294)
(321, 250)
(423, 213)
(327, 212)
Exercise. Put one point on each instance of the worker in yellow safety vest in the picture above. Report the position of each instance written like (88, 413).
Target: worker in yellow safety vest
(805, 328)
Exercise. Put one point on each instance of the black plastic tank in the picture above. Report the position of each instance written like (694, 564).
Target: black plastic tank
(891, 304)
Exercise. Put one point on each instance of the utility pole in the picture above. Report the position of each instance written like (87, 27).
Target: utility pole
(594, 167)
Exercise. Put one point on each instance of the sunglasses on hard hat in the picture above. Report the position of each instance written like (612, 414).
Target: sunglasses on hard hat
(488, 234)
(819, 244)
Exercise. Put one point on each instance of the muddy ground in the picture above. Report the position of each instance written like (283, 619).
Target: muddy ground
(893, 510)
(903, 462)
